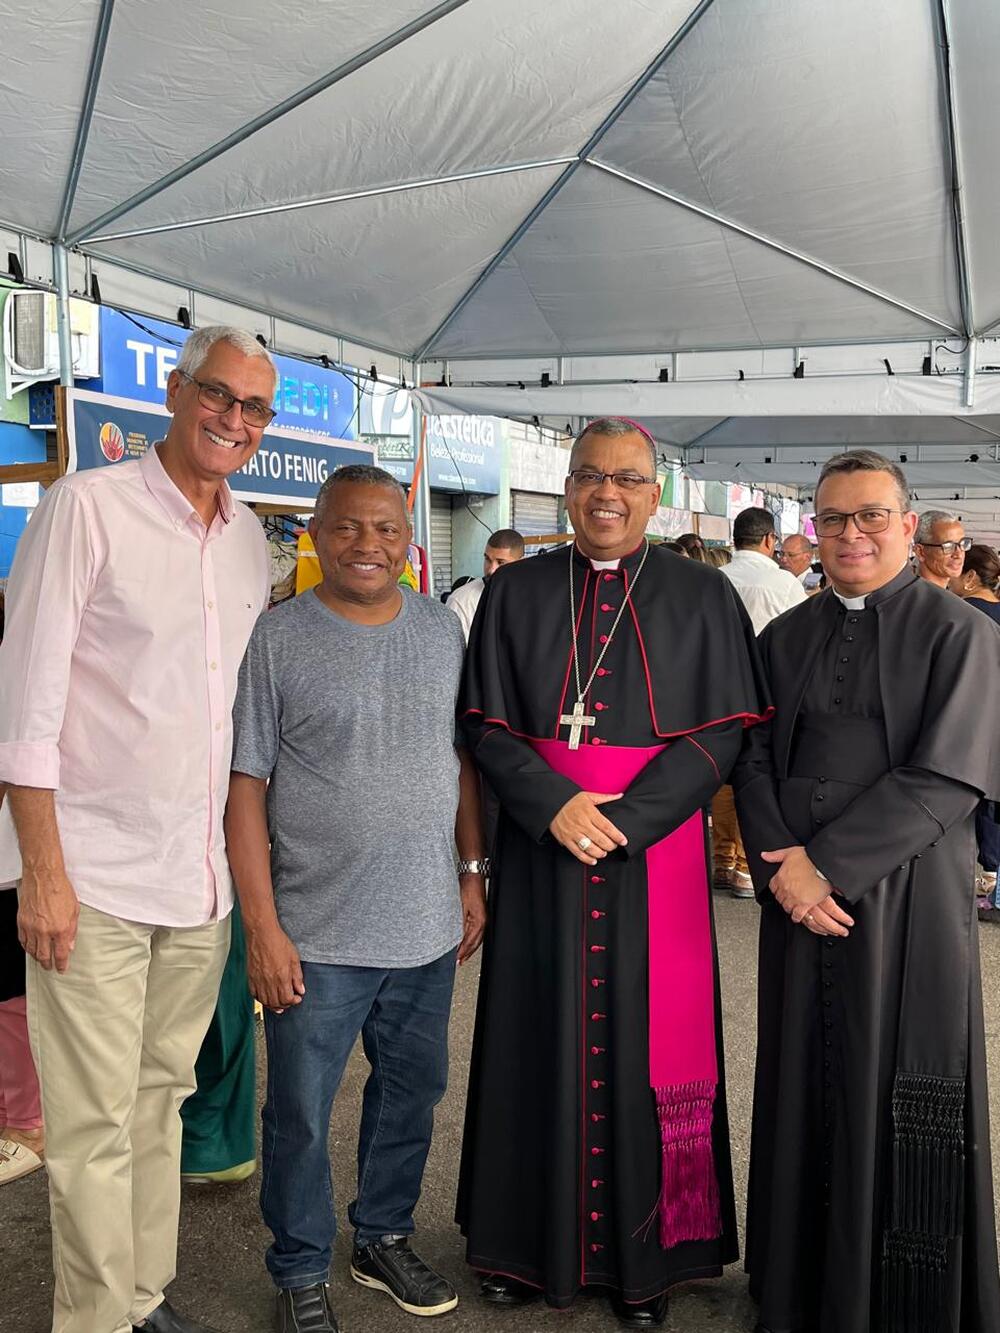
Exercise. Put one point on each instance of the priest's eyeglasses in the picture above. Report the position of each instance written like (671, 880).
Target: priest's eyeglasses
(874, 518)
(218, 399)
(625, 481)
(949, 548)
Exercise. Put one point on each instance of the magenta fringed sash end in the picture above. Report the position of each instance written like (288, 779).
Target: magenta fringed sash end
(689, 1190)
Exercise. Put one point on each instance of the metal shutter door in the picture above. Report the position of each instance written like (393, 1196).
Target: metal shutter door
(534, 515)
(441, 541)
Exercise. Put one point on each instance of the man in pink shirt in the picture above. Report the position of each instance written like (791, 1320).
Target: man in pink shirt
(132, 597)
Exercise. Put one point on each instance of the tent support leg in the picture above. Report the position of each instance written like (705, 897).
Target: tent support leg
(970, 373)
(60, 267)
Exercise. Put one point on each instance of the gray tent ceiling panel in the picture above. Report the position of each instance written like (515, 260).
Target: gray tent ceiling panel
(348, 264)
(975, 34)
(180, 77)
(757, 115)
(823, 129)
(607, 262)
(459, 96)
(43, 79)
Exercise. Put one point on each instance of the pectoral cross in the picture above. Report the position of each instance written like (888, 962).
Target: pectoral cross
(575, 721)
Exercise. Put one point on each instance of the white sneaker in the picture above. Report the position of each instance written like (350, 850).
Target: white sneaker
(16, 1161)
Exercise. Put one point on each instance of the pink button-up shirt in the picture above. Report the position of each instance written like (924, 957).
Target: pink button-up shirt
(127, 620)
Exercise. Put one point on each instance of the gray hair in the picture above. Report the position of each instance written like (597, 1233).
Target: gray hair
(615, 426)
(866, 460)
(925, 527)
(359, 473)
(196, 349)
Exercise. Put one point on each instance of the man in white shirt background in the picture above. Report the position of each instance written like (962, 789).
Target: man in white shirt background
(798, 556)
(502, 548)
(129, 606)
(766, 591)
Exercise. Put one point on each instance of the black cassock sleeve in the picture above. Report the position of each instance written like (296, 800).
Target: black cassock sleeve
(530, 791)
(762, 825)
(682, 779)
(899, 816)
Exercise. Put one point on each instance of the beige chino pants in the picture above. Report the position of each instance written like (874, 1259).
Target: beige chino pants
(115, 1039)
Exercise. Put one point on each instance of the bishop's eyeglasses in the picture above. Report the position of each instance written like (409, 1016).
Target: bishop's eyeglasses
(873, 518)
(587, 480)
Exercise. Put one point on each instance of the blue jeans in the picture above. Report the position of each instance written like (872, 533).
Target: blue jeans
(402, 1015)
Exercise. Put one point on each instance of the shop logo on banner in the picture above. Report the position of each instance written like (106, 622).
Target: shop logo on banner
(112, 442)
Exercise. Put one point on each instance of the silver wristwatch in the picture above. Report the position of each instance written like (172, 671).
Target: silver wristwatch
(474, 867)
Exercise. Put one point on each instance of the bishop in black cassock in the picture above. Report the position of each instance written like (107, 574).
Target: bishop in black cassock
(871, 1195)
(596, 1147)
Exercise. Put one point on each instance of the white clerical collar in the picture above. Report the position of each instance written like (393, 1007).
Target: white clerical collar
(851, 603)
(605, 564)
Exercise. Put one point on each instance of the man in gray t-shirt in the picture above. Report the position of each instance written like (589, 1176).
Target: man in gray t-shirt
(348, 797)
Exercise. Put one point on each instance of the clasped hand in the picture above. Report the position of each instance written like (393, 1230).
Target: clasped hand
(804, 894)
(580, 818)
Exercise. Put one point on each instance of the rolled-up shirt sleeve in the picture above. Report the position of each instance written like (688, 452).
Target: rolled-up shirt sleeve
(47, 594)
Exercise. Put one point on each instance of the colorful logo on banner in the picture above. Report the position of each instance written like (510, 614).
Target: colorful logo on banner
(112, 442)
(288, 468)
(137, 356)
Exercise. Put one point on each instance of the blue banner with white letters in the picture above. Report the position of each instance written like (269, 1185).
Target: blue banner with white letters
(137, 355)
(288, 468)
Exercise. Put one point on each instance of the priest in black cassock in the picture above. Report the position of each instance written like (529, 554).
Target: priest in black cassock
(871, 1192)
(606, 692)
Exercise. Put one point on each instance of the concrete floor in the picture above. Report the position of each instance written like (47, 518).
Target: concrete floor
(221, 1273)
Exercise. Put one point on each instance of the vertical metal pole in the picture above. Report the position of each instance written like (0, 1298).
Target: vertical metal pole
(60, 267)
(422, 500)
(970, 373)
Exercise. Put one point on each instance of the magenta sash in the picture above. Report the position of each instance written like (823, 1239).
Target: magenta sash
(683, 1071)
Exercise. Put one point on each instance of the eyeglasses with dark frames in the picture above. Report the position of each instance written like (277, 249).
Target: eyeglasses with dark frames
(588, 480)
(873, 518)
(218, 399)
(949, 548)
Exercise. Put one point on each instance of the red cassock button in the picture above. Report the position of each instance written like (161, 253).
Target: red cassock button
(606, 606)
(603, 639)
(597, 879)
(596, 1152)
(598, 948)
(595, 1183)
(608, 578)
(595, 1017)
(597, 741)
(595, 915)
(597, 1050)
(596, 1083)
(595, 1217)
(599, 708)
(595, 1248)
(601, 671)
(597, 981)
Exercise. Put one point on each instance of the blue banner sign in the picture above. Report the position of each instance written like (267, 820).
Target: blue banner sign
(288, 468)
(463, 454)
(135, 363)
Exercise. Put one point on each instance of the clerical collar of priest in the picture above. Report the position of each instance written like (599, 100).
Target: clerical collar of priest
(905, 577)
(629, 561)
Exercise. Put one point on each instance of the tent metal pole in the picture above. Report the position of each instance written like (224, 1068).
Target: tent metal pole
(346, 196)
(762, 239)
(268, 117)
(970, 373)
(957, 176)
(422, 500)
(86, 113)
(609, 121)
(60, 271)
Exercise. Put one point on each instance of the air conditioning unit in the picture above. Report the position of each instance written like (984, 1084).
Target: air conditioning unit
(31, 339)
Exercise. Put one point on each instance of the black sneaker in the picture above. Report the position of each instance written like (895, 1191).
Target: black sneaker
(305, 1310)
(390, 1265)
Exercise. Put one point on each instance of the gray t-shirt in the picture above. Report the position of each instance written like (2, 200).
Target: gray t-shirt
(354, 725)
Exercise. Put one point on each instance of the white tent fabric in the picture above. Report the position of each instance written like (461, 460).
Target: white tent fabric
(736, 173)
(470, 182)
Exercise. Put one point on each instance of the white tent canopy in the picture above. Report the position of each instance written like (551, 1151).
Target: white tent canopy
(473, 185)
